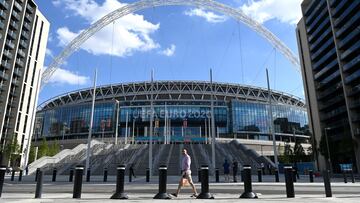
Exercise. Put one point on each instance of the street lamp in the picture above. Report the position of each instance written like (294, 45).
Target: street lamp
(117, 121)
(328, 149)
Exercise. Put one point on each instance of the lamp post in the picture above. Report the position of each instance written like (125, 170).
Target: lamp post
(117, 121)
(328, 149)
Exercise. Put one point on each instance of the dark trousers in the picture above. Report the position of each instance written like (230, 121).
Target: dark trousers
(234, 175)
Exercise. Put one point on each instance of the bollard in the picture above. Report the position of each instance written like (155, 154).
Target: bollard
(345, 176)
(130, 176)
(105, 174)
(217, 179)
(147, 175)
(20, 175)
(294, 175)
(54, 175)
(162, 184)
(242, 175)
(79, 170)
(327, 184)
(248, 193)
(88, 174)
(12, 175)
(2, 177)
(36, 173)
(39, 184)
(276, 175)
(205, 194)
(352, 176)
(199, 175)
(290, 193)
(120, 179)
(259, 175)
(71, 175)
(311, 176)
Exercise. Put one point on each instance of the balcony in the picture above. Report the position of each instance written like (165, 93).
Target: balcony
(12, 34)
(28, 17)
(332, 102)
(350, 38)
(23, 44)
(355, 104)
(317, 21)
(14, 25)
(321, 28)
(16, 16)
(321, 39)
(19, 62)
(339, 8)
(324, 59)
(329, 91)
(5, 64)
(352, 64)
(2, 14)
(353, 77)
(10, 44)
(17, 6)
(25, 34)
(30, 9)
(27, 26)
(313, 10)
(15, 82)
(351, 50)
(348, 25)
(355, 119)
(354, 5)
(334, 113)
(326, 69)
(21, 53)
(17, 72)
(4, 4)
(2, 26)
(3, 75)
(355, 90)
(323, 49)
(8, 54)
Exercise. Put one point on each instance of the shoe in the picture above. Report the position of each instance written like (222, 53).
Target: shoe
(174, 194)
(194, 195)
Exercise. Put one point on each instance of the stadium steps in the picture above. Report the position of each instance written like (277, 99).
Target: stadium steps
(174, 168)
(162, 157)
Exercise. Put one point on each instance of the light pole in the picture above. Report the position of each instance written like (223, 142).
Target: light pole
(328, 149)
(117, 121)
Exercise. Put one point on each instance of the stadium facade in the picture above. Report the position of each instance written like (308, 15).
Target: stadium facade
(182, 106)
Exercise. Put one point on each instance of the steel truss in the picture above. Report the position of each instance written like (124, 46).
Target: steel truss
(172, 91)
(237, 14)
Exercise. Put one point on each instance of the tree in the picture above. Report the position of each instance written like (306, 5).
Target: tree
(54, 149)
(43, 148)
(11, 151)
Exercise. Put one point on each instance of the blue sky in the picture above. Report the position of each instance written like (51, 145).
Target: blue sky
(178, 42)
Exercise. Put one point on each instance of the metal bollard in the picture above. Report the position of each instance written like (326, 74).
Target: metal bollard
(248, 193)
(242, 175)
(2, 177)
(39, 184)
(205, 194)
(259, 175)
(327, 184)
(20, 175)
(36, 173)
(105, 174)
(54, 175)
(79, 170)
(276, 175)
(12, 175)
(147, 175)
(290, 193)
(120, 179)
(199, 175)
(162, 184)
(345, 176)
(352, 176)
(88, 174)
(71, 175)
(217, 179)
(311, 176)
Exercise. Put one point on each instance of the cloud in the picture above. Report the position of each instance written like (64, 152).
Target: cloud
(62, 76)
(48, 52)
(286, 11)
(168, 51)
(207, 15)
(131, 33)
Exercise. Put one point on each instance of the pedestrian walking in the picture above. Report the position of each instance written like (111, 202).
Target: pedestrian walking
(27, 170)
(235, 169)
(186, 175)
(131, 169)
(226, 166)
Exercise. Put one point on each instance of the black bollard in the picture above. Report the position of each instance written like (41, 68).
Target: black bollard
(290, 193)
(39, 184)
(205, 194)
(20, 175)
(242, 175)
(345, 176)
(105, 174)
(217, 179)
(12, 175)
(248, 193)
(352, 176)
(88, 174)
(79, 170)
(36, 173)
(120, 179)
(71, 175)
(311, 176)
(162, 184)
(147, 175)
(2, 177)
(259, 175)
(54, 175)
(199, 175)
(327, 184)
(276, 175)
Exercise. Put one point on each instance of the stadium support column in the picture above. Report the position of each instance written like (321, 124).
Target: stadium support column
(117, 121)
(126, 128)
(271, 122)
(151, 121)
(91, 125)
(212, 122)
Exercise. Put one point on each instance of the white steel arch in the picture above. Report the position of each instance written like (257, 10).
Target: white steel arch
(143, 4)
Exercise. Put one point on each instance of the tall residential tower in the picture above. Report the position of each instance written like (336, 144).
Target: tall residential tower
(23, 39)
(329, 47)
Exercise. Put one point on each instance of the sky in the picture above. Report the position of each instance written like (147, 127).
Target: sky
(177, 42)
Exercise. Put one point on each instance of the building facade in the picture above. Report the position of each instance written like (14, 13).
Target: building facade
(184, 107)
(329, 48)
(23, 39)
